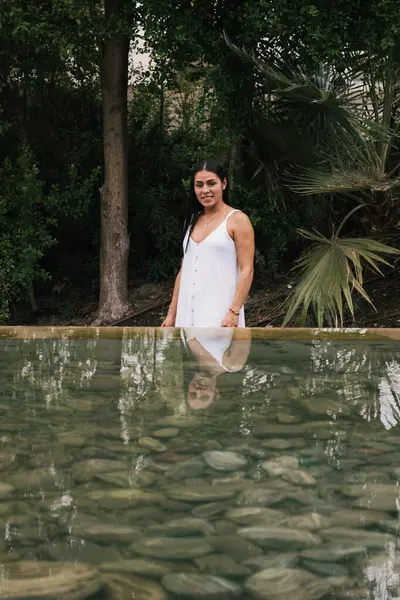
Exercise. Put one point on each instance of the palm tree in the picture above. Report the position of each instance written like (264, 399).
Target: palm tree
(331, 135)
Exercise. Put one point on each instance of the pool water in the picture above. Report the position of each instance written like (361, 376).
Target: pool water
(159, 464)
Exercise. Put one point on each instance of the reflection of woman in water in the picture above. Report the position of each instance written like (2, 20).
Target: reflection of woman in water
(217, 268)
(211, 354)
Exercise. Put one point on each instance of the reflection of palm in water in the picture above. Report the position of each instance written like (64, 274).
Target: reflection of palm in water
(215, 351)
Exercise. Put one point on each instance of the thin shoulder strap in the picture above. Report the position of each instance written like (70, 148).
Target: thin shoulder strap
(231, 213)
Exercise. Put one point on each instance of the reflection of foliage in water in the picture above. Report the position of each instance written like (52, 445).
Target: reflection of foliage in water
(150, 368)
(368, 377)
(382, 576)
(55, 366)
(389, 394)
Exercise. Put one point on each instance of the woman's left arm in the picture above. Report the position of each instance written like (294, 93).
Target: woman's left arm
(243, 236)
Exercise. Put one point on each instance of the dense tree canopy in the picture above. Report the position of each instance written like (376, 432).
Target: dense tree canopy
(264, 84)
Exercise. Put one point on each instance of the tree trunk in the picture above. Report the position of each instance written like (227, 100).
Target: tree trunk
(114, 239)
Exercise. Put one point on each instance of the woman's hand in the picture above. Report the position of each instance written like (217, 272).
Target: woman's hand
(168, 321)
(230, 320)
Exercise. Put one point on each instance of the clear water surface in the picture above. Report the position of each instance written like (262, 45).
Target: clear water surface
(158, 465)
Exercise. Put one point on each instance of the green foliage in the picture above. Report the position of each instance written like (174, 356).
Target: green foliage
(331, 269)
(25, 228)
(279, 120)
(164, 147)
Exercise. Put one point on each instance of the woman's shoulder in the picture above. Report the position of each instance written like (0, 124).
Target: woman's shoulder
(238, 218)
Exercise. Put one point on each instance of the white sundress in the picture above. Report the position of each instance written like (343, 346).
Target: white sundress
(210, 273)
(215, 342)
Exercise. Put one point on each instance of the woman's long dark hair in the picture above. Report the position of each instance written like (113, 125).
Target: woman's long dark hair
(208, 164)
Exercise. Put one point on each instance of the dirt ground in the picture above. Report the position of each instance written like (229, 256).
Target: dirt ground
(264, 307)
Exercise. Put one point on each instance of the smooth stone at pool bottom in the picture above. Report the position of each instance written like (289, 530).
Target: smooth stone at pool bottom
(172, 548)
(200, 493)
(380, 501)
(224, 460)
(9, 556)
(368, 539)
(6, 490)
(127, 479)
(124, 497)
(325, 569)
(111, 533)
(249, 451)
(250, 515)
(184, 422)
(192, 467)
(277, 538)
(225, 527)
(259, 496)
(139, 566)
(298, 477)
(74, 440)
(192, 585)
(131, 587)
(87, 552)
(374, 496)
(286, 560)
(234, 546)
(279, 465)
(96, 453)
(278, 430)
(333, 553)
(86, 470)
(277, 444)
(49, 580)
(23, 480)
(152, 444)
(325, 406)
(370, 489)
(182, 527)
(211, 509)
(142, 515)
(390, 526)
(220, 564)
(287, 418)
(356, 518)
(282, 584)
(165, 433)
(307, 498)
(310, 521)
(238, 477)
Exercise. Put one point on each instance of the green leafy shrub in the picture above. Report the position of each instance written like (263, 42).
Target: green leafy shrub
(25, 229)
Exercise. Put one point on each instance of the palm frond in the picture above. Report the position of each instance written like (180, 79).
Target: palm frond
(330, 271)
(314, 181)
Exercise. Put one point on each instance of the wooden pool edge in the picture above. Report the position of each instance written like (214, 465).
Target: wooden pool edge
(268, 333)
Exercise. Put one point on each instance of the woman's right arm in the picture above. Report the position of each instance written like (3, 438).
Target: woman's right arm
(169, 320)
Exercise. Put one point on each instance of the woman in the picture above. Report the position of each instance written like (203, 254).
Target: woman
(211, 354)
(217, 268)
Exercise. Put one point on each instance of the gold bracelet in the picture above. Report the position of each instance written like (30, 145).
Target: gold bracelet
(234, 312)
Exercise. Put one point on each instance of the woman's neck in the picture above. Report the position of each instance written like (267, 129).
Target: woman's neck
(213, 210)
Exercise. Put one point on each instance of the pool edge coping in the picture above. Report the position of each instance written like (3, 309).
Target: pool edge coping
(267, 333)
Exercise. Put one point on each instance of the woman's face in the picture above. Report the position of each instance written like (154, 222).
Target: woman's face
(208, 188)
(201, 391)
